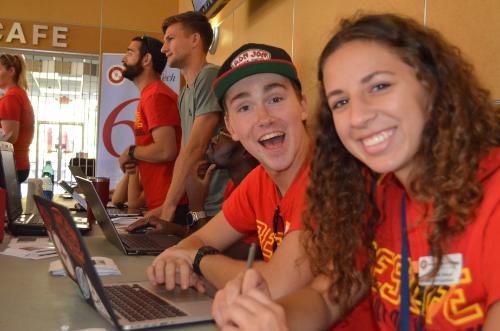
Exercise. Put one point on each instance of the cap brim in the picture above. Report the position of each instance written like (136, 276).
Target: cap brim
(229, 78)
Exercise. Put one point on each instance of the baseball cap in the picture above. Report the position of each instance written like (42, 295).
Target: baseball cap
(251, 59)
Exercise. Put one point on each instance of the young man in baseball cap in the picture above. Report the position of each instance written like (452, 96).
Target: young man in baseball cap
(265, 110)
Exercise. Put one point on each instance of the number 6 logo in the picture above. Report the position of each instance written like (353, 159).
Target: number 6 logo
(110, 124)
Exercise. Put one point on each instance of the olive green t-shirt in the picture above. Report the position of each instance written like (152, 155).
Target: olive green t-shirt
(194, 101)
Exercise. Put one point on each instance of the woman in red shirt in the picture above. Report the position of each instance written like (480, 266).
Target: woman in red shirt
(405, 186)
(16, 113)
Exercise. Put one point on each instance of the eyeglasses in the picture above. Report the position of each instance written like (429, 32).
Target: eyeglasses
(278, 227)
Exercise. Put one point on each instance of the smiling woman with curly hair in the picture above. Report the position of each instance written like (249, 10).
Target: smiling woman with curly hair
(404, 196)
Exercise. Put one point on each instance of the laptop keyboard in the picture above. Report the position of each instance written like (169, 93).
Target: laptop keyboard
(137, 304)
(140, 242)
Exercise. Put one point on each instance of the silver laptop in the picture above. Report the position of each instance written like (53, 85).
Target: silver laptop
(128, 306)
(76, 171)
(130, 244)
(19, 223)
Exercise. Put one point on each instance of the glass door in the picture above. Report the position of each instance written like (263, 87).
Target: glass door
(58, 142)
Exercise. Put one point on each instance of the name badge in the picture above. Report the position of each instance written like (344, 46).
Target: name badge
(449, 272)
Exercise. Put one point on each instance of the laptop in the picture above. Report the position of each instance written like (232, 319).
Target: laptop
(128, 306)
(130, 244)
(19, 223)
(76, 171)
(72, 192)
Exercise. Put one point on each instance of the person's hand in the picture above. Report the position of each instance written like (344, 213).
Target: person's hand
(124, 159)
(174, 266)
(198, 183)
(245, 304)
(130, 168)
(157, 225)
(153, 212)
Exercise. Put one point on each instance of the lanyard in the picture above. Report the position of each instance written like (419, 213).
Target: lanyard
(404, 307)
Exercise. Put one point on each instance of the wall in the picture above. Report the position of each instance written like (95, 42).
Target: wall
(302, 27)
(94, 26)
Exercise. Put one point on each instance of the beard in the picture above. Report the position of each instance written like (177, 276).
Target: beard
(132, 71)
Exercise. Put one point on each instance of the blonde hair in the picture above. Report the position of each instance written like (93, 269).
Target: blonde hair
(16, 62)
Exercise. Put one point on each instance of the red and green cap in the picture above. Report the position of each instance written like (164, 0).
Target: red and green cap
(252, 59)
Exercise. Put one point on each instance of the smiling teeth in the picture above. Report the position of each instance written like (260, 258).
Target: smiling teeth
(377, 138)
(270, 136)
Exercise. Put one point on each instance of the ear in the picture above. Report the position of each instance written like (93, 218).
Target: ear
(195, 39)
(304, 108)
(11, 72)
(230, 128)
(147, 60)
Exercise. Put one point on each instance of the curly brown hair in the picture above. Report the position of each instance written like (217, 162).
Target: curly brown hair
(463, 125)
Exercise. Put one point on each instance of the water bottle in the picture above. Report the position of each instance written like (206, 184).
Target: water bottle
(47, 188)
(48, 181)
(48, 171)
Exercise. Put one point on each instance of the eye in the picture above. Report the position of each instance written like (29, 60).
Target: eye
(338, 104)
(243, 108)
(276, 99)
(380, 86)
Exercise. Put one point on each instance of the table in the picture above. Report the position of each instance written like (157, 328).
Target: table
(31, 299)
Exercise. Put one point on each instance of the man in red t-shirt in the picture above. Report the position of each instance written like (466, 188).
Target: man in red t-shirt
(157, 128)
(265, 110)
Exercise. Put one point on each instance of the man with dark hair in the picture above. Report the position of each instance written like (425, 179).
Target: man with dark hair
(157, 128)
(187, 37)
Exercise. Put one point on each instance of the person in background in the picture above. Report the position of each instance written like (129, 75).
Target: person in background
(128, 192)
(187, 37)
(16, 113)
(404, 118)
(265, 111)
(222, 153)
(157, 128)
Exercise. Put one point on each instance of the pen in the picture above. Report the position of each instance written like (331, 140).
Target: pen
(251, 255)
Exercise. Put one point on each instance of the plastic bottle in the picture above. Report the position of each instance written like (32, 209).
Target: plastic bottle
(48, 171)
(48, 181)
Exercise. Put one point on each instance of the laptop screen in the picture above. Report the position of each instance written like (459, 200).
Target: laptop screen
(8, 181)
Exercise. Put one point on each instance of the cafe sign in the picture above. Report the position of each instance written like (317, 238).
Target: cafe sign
(15, 32)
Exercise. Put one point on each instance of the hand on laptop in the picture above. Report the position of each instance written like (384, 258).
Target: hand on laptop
(157, 225)
(174, 266)
(245, 304)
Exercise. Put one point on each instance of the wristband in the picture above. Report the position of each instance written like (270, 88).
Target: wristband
(202, 251)
(193, 217)
(131, 150)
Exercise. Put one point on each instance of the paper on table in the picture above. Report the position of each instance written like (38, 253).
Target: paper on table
(39, 242)
(104, 266)
(125, 220)
(34, 253)
(30, 248)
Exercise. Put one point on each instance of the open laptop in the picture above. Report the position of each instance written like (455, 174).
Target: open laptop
(20, 224)
(76, 171)
(130, 244)
(73, 193)
(128, 306)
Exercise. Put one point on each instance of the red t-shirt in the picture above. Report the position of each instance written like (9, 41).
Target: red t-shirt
(157, 107)
(250, 208)
(229, 189)
(16, 106)
(450, 306)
